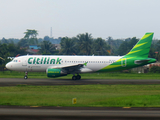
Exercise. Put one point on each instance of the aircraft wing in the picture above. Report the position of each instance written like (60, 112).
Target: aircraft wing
(69, 68)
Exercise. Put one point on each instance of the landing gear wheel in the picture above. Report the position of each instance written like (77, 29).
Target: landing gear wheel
(74, 77)
(25, 77)
(78, 77)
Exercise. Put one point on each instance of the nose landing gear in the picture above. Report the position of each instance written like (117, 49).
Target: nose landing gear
(25, 77)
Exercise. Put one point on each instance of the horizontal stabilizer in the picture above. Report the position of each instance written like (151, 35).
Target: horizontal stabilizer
(142, 61)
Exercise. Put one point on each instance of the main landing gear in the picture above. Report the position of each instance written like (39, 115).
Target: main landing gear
(25, 77)
(78, 77)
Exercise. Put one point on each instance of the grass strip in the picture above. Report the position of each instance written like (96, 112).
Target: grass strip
(87, 95)
(114, 75)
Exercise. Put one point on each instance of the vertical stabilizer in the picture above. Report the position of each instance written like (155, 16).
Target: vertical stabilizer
(142, 48)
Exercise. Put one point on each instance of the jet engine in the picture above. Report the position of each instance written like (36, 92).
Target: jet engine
(55, 72)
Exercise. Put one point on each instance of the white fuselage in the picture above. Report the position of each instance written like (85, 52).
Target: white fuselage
(39, 63)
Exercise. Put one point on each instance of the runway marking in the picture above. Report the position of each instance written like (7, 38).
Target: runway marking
(35, 106)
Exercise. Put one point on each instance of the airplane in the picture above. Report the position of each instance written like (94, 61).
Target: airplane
(59, 65)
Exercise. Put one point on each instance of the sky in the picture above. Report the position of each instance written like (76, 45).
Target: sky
(101, 18)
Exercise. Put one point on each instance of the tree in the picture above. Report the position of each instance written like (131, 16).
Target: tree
(14, 50)
(31, 35)
(157, 47)
(4, 40)
(123, 48)
(68, 46)
(9, 50)
(132, 42)
(155, 50)
(85, 43)
(4, 51)
(100, 47)
(46, 38)
(127, 45)
(152, 53)
(110, 41)
(46, 48)
(23, 43)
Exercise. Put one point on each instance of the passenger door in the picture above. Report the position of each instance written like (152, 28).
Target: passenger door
(24, 61)
(123, 62)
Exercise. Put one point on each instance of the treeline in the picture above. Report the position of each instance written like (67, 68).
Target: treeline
(121, 47)
(9, 50)
(84, 44)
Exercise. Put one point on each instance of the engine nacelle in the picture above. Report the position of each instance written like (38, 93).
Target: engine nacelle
(55, 72)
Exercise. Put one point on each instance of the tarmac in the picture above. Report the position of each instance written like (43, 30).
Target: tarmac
(78, 113)
(21, 81)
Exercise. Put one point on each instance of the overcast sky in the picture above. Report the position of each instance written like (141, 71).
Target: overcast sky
(101, 18)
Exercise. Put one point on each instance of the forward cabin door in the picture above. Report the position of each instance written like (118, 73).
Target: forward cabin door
(24, 61)
(123, 62)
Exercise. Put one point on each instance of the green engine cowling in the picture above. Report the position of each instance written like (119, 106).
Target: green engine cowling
(55, 72)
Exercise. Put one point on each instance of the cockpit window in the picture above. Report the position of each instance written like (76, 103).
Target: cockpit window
(15, 60)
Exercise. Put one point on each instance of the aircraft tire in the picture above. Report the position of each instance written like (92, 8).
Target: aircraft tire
(74, 77)
(78, 77)
(25, 77)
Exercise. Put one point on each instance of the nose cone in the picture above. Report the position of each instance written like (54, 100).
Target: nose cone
(8, 65)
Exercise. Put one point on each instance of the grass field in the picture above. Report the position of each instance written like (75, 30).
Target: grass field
(87, 95)
(115, 75)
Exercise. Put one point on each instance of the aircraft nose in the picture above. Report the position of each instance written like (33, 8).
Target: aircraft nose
(8, 66)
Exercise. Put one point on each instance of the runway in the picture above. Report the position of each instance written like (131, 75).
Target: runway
(21, 81)
(73, 113)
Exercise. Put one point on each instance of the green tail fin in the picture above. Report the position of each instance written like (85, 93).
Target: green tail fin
(142, 48)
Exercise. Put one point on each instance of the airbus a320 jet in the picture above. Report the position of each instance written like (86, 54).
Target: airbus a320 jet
(56, 66)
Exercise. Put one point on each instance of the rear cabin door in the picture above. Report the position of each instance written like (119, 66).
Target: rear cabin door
(123, 62)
